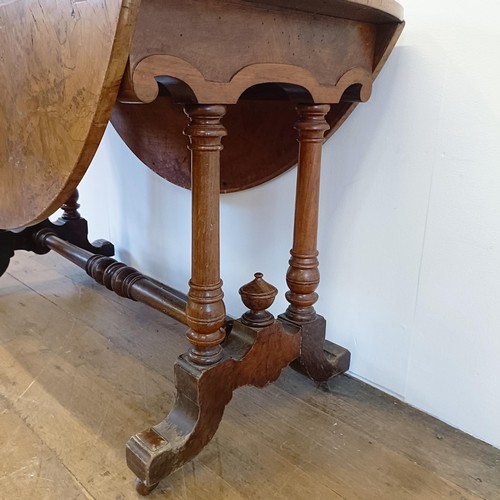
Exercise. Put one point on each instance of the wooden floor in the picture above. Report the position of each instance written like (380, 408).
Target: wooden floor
(82, 370)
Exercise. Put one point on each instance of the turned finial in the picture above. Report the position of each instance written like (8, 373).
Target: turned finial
(70, 208)
(258, 295)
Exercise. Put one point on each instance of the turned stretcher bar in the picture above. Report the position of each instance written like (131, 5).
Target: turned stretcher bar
(125, 281)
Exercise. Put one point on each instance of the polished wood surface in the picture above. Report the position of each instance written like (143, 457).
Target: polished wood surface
(69, 58)
(371, 11)
(303, 274)
(82, 368)
(206, 312)
(278, 56)
(258, 295)
(319, 360)
(208, 40)
(124, 280)
(60, 67)
(259, 134)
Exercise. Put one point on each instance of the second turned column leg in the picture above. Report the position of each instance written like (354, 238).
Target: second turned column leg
(205, 310)
(206, 377)
(303, 274)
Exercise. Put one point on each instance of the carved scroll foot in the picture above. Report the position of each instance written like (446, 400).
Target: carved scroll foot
(6, 250)
(70, 227)
(11, 241)
(320, 360)
(251, 357)
(74, 231)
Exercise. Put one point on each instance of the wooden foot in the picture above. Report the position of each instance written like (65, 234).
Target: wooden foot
(70, 227)
(74, 232)
(320, 360)
(251, 357)
(6, 250)
(142, 489)
(11, 241)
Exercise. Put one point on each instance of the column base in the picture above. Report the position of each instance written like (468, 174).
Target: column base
(251, 357)
(319, 359)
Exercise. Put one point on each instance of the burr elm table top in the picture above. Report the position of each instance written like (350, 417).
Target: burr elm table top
(60, 67)
(62, 63)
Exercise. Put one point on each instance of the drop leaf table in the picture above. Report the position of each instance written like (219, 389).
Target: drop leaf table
(181, 80)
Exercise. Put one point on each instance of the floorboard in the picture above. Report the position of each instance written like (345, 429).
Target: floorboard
(83, 370)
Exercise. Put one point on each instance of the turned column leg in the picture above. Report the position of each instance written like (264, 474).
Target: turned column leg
(205, 309)
(206, 376)
(199, 405)
(303, 274)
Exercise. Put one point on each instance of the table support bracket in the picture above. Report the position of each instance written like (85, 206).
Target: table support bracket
(251, 357)
(320, 360)
(70, 227)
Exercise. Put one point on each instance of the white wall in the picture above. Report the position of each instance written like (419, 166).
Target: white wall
(410, 221)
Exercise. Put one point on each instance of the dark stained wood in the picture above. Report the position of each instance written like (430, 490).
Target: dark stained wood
(320, 360)
(71, 206)
(71, 227)
(7, 250)
(259, 133)
(60, 71)
(202, 396)
(206, 313)
(125, 281)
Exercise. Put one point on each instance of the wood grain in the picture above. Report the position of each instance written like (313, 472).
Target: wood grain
(251, 358)
(33, 470)
(69, 59)
(327, 58)
(260, 140)
(221, 48)
(372, 11)
(302, 276)
(205, 311)
(60, 69)
(76, 344)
